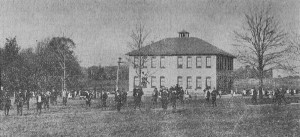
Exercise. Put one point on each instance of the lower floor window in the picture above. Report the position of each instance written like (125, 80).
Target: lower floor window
(208, 82)
(189, 82)
(162, 81)
(136, 81)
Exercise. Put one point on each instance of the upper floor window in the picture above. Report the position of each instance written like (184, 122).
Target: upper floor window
(179, 81)
(162, 62)
(189, 82)
(136, 62)
(208, 62)
(153, 62)
(144, 61)
(162, 81)
(179, 62)
(198, 82)
(153, 81)
(189, 62)
(198, 62)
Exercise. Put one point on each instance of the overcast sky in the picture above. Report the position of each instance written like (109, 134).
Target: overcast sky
(101, 28)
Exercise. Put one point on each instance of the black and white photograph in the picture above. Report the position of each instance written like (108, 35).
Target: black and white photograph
(150, 68)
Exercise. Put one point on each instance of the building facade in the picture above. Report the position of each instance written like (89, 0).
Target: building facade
(187, 61)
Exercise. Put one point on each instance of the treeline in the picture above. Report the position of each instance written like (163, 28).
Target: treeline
(39, 68)
(248, 72)
(99, 73)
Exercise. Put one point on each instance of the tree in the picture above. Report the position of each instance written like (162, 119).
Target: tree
(1, 66)
(10, 65)
(261, 42)
(57, 62)
(62, 49)
(138, 37)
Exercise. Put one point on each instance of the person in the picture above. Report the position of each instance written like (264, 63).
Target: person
(39, 103)
(20, 102)
(276, 98)
(292, 92)
(164, 99)
(53, 97)
(88, 99)
(173, 99)
(244, 92)
(231, 92)
(139, 95)
(254, 96)
(220, 93)
(7, 104)
(104, 98)
(64, 96)
(282, 95)
(118, 99)
(134, 94)
(214, 97)
(47, 99)
(27, 98)
(154, 97)
(124, 97)
(2, 98)
(207, 95)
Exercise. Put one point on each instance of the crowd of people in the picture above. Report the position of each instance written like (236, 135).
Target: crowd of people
(277, 95)
(23, 97)
(166, 96)
(43, 99)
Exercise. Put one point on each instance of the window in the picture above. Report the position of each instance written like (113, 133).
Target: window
(208, 82)
(179, 62)
(198, 82)
(208, 62)
(136, 81)
(136, 62)
(162, 81)
(179, 81)
(189, 82)
(153, 81)
(198, 62)
(153, 63)
(162, 62)
(189, 62)
(226, 64)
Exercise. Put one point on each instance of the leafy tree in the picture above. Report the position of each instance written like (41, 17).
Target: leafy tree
(58, 62)
(10, 64)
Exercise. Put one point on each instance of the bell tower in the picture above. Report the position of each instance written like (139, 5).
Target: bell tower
(183, 34)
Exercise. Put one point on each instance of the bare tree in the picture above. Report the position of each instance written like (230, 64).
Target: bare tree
(294, 42)
(138, 37)
(261, 42)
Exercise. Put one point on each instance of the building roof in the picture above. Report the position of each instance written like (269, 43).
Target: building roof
(183, 31)
(179, 46)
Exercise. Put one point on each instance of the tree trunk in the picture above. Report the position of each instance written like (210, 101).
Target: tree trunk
(140, 71)
(261, 85)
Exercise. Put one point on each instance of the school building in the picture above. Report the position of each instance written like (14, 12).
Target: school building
(191, 62)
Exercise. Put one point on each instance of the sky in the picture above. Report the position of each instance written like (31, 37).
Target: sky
(101, 28)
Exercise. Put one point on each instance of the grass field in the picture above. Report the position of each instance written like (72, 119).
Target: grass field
(232, 117)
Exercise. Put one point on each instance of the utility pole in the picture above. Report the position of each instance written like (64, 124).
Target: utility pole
(118, 71)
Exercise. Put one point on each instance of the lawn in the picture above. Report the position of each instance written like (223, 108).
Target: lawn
(232, 117)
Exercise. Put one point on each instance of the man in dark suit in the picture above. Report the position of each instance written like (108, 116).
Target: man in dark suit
(214, 94)
(254, 96)
(7, 104)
